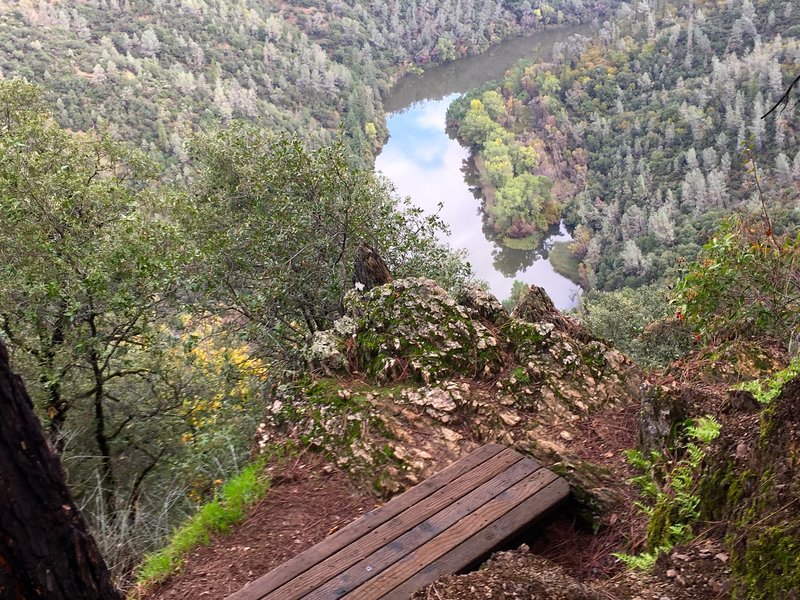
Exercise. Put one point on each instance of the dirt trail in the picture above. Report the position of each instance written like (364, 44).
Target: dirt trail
(308, 500)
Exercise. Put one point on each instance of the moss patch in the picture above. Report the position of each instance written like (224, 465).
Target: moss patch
(769, 567)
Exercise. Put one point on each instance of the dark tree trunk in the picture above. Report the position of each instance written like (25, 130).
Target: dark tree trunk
(45, 550)
(369, 269)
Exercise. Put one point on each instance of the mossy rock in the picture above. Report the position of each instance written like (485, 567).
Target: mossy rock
(592, 488)
(529, 339)
(412, 326)
(322, 415)
(755, 496)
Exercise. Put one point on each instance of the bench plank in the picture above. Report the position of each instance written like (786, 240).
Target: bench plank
(438, 527)
(479, 545)
(389, 554)
(371, 520)
(318, 574)
(436, 548)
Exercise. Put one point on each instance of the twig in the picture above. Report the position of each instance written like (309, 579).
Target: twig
(784, 99)
(770, 231)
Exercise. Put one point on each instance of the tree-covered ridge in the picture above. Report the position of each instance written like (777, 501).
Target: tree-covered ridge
(656, 122)
(158, 70)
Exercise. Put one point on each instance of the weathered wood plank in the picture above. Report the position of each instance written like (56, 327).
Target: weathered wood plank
(370, 521)
(440, 545)
(317, 574)
(389, 554)
(479, 545)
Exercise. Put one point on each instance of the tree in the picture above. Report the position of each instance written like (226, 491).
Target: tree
(149, 43)
(278, 227)
(744, 281)
(86, 268)
(45, 549)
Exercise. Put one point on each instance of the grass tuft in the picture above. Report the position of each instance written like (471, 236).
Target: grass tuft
(218, 516)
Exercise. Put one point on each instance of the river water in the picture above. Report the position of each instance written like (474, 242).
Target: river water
(429, 167)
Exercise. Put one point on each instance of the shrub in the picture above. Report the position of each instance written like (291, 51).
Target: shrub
(745, 281)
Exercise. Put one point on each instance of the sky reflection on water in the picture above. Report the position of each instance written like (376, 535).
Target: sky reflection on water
(425, 164)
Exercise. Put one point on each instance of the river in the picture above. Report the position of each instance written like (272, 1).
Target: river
(431, 168)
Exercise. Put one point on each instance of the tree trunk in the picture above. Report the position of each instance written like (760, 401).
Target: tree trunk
(45, 550)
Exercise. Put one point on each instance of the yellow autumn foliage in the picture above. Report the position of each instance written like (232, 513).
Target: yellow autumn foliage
(217, 374)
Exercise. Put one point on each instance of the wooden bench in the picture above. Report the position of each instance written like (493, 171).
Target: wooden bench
(436, 528)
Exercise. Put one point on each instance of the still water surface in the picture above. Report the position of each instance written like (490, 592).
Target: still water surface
(425, 164)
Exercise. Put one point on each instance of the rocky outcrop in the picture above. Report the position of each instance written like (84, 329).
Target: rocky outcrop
(411, 378)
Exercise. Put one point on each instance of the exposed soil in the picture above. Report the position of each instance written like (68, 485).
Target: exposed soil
(696, 572)
(308, 500)
(514, 575)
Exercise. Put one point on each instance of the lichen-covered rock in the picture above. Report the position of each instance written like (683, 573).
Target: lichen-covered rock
(537, 307)
(661, 411)
(391, 437)
(326, 352)
(412, 326)
(481, 304)
(445, 376)
(565, 375)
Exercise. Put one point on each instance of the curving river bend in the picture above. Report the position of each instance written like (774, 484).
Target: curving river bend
(429, 167)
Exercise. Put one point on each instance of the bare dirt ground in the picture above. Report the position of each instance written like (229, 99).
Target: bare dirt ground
(308, 500)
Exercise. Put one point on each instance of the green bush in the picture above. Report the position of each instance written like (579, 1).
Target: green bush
(639, 321)
(745, 281)
(671, 489)
(767, 389)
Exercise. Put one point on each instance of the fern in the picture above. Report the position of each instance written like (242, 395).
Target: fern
(671, 488)
(767, 389)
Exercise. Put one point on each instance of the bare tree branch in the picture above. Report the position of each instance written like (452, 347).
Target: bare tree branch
(784, 100)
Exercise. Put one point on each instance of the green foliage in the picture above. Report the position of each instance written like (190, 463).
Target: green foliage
(745, 281)
(160, 71)
(280, 224)
(518, 291)
(521, 376)
(92, 272)
(767, 389)
(643, 562)
(521, 204)
(705, 430)
(641, 131)
(671, 488)
(229, 508)
(87, 262)
(639, 321)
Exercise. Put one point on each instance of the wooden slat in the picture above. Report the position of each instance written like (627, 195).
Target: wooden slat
(367, 523)
(389, 554)
(318, 574)
(411, 564)
(480, 544)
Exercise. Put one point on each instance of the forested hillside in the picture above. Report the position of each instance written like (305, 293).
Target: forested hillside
(149, 320)
(185, 187)
(645, 137)
(155, 71)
